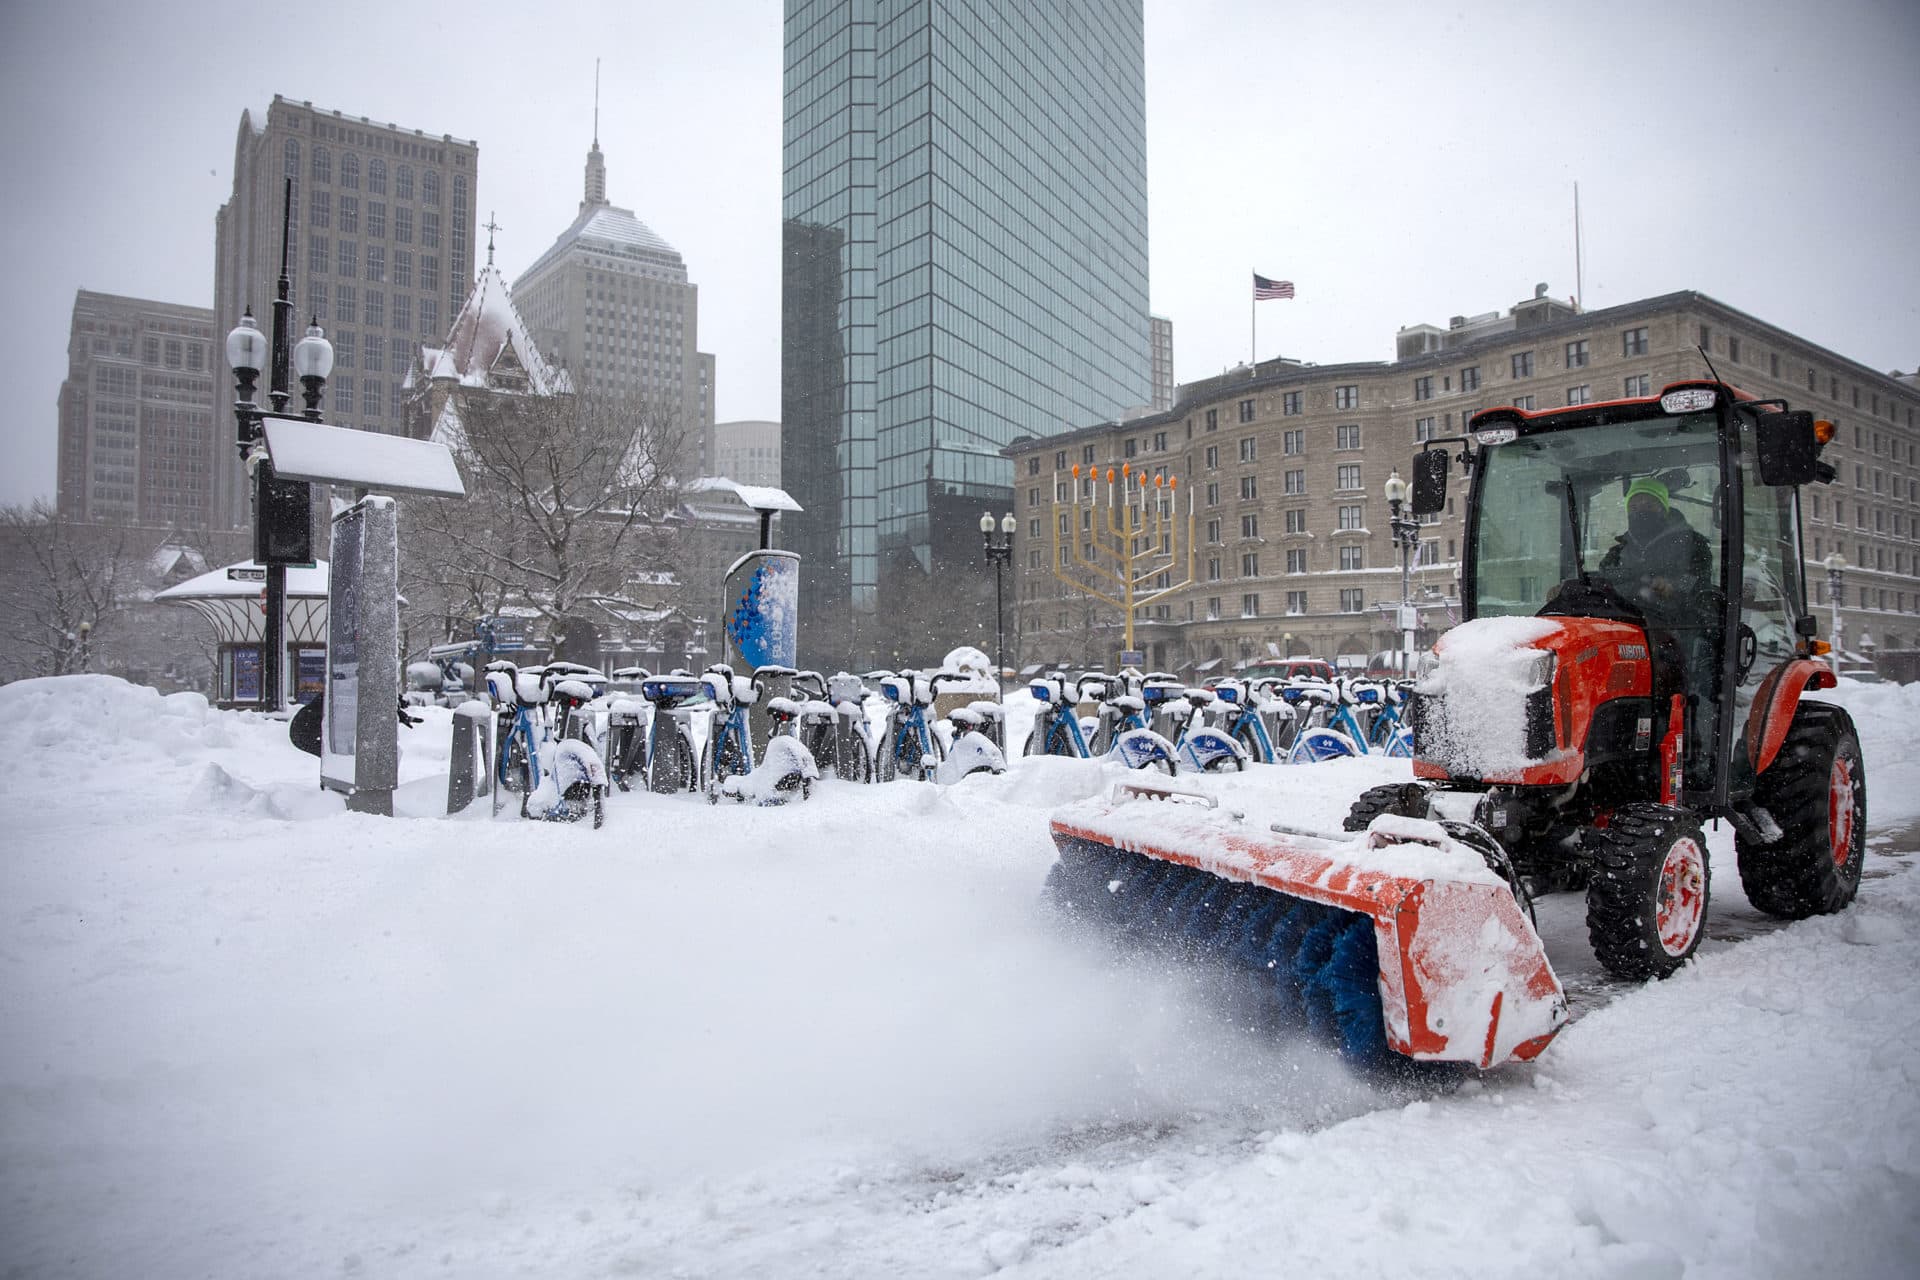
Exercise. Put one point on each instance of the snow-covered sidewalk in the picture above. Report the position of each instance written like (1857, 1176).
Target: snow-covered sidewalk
(245, 1033)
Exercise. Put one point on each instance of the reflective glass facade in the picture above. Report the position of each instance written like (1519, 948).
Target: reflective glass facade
(965, 261)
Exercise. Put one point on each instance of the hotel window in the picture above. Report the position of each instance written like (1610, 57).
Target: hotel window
(1353, 557)
(1347, 396)
(349, 259)
(1423, 388)
(1577, 354)
(1297, 560)
(1213, 419)
(1213, 568)
(1250, 525)
(1213, 531)
(1295, 482)
(1250, 605)
(1213, 457)
(377, 263)
(377, 176)
(1633, 342)
(1296, 520)
(1290, 403)
(345, 304)
(350, 215)
(1250, 565)
(1470, 378)
(1523, 402)
(1247, 449)
(429, 229)
(402, 224)
(1582, 394)
(1296, 602)
(377, 219)
(1637, 385)
(1353, 600)
(1294, 441)
(350, 170)
(1349, 518)
(1733, 350)
(1423, 430)
(317, 255)
(403, 182)
(370, 395)
(291, 159)
(1347, 476)
(429, 271)
(373, 350)
(1249, 488)
(403, 268)
(322, 164)
(320, 209)
(1347, 437)
(1246, 411)
(1523, 364)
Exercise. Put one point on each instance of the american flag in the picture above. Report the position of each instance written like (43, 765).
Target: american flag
(1264, 288)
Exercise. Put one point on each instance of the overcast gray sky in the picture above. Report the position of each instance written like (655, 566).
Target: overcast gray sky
(1401, 162)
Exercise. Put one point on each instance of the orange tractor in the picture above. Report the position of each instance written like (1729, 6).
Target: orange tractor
(1632, 665)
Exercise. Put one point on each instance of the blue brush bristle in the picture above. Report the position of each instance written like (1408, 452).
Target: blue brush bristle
(1351, 977)
(1310, 963)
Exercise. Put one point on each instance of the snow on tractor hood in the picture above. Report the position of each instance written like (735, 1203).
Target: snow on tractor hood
(1477, 721)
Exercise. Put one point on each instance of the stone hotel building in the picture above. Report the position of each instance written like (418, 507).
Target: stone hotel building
(1285, 463)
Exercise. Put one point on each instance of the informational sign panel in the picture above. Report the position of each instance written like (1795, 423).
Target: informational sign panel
(360, 748)
(340, 723)
(762, 610)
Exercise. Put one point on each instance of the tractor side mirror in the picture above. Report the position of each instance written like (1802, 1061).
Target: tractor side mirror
(1430, 482)
(1789, 453)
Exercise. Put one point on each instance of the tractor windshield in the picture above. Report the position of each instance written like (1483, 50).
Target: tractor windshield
(1633, 504)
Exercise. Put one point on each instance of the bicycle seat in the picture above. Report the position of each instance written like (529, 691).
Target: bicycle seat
(1126, 702)
(784, 710)
(529, 689)
(671, 691)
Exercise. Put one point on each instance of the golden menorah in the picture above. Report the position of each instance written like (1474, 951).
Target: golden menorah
(1139, 536)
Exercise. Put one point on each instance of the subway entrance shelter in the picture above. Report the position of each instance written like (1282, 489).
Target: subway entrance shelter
(234, 600)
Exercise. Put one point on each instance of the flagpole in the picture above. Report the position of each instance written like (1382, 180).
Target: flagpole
(1253, 326)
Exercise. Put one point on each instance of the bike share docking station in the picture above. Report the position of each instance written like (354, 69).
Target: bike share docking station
(359, 732)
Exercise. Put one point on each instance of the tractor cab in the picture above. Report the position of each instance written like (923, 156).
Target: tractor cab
(1675, 513)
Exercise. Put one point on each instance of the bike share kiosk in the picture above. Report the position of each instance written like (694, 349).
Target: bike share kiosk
(359, 736)
(761, 604)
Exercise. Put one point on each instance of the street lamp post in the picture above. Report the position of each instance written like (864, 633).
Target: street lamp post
(1001, 553)
(1406, 536)
(276, 503)
(1836, 566)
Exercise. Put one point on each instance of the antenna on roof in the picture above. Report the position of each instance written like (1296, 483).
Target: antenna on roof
(596, 102)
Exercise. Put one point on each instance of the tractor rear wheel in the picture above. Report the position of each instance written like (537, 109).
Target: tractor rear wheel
(1647, 898)
(1816, 790)
(1402, 799)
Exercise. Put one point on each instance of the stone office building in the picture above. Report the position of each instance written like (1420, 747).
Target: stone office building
(1285, 463)
(382, 253)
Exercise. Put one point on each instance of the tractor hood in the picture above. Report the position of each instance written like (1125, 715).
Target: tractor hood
(1476, 702)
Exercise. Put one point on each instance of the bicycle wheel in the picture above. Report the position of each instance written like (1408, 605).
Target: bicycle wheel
(515, 769)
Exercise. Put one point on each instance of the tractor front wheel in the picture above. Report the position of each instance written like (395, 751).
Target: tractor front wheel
(1402, 799)
(1647, 898)
(1816, 790)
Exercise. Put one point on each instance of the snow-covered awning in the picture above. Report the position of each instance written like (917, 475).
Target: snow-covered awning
(1208, 665)
(234, 600)
(1030, 670)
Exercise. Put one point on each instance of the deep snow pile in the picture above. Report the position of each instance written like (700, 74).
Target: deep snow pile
(243, 1032)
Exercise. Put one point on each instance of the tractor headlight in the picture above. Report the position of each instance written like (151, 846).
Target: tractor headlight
(1538, 672)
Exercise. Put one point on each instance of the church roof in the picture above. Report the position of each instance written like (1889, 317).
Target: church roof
(489, 338)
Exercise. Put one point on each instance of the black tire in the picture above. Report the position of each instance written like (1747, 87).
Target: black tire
(1033, 746)
(1814, 867)
(1647, 898)
(516, 770)
(671, 768)
(1404, 799)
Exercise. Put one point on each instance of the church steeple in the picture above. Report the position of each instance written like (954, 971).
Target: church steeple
(596, 192)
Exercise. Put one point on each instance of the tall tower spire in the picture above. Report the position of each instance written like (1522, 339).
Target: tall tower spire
(596, 192)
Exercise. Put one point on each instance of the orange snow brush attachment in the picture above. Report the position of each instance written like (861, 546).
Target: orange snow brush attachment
(1400, 940)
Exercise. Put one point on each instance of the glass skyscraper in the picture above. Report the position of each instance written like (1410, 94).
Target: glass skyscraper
(965, 202)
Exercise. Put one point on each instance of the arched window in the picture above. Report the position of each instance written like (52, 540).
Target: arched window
(403, 182)
(293, 158)
(349, 170)
(377, 176)
(430, 187)
(322, 164)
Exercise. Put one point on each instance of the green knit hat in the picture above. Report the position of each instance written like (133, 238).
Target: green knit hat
(1647, 484)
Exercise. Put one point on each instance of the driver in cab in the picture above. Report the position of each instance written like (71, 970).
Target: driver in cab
(1660, 564)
